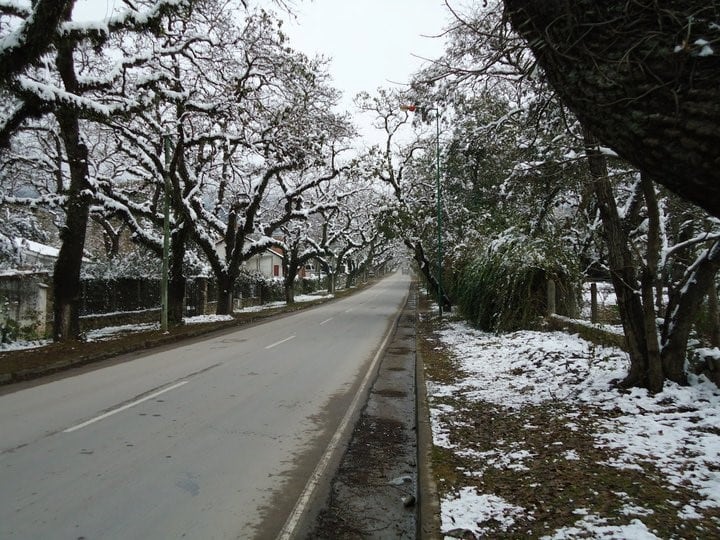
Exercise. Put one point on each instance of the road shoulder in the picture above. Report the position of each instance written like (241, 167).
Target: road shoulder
(375, 491)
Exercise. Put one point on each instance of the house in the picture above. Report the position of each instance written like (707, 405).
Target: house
(35, 254)
(269, 263)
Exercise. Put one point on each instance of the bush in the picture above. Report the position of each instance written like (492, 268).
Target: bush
(504, 287)
(272, 290)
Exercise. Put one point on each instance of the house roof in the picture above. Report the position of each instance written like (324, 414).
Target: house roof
(36, 247)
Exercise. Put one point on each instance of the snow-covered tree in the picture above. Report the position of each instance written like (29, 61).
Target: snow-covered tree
(643, 77)
(561, 183)
(406, 214)
(350, 228)
(253, 131)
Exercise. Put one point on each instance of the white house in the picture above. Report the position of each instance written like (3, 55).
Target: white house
(34, 254)
(37, 255)
(269, 262)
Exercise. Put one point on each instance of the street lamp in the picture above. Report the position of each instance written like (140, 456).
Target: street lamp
(424, 111)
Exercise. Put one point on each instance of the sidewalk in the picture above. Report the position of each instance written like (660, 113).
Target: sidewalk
(379, 489)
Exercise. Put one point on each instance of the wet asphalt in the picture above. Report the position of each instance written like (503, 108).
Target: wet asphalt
(382, 488)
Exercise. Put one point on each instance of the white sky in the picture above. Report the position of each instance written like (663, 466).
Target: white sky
(371, 43)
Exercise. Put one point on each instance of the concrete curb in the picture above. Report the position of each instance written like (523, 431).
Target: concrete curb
(428, 519)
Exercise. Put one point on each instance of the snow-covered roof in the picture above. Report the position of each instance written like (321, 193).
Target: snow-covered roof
(36, 247)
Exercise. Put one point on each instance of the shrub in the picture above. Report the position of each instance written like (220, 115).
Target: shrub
(504, 287)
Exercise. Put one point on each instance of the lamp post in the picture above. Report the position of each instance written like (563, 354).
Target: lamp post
(438, 198)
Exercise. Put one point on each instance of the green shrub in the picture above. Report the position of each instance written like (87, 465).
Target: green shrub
(504, 286)
(9, 331)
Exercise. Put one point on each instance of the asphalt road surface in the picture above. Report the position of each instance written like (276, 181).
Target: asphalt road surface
(224, 437)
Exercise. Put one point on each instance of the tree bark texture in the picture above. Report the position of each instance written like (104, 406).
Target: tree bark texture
(424, 265)
(66, 277)
(622, 269)
(177, 279)
(714, 315)
(643, 76)
(684, 305)
(292, 266)
(648, 277)
(225, 283)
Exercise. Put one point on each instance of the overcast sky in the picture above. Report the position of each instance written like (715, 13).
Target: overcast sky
(371, 43)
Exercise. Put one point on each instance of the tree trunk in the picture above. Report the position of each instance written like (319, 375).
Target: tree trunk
(177, 280)
(66, 277)
(684, 305)
(714, 315)
(289, 283)
(639, 76)
(225, 285)
(647, 284)
(424, 264)
(622, 270)
(351, 277)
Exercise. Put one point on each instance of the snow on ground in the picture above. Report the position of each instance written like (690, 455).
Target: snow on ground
(110, 332)
(298, 299)
(21, 345)
(677, 430)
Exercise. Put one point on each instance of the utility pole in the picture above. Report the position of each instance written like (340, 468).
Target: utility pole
(167, 144)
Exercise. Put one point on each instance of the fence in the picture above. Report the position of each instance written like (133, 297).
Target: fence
(25, 297)
(26, 306)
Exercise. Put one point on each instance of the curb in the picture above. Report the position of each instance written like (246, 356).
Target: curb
(428, 519)
(373, 492)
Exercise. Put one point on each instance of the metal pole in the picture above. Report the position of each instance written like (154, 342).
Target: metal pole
(439, 212)
(166, 238)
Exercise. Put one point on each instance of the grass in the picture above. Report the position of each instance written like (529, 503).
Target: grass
(554, 491)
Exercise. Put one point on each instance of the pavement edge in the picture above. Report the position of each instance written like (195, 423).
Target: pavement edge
(428, 519)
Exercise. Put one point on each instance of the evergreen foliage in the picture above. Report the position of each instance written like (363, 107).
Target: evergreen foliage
(504, 286)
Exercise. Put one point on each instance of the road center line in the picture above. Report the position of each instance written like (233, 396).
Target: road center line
(326, 321)
(124, 407)
(280, 342)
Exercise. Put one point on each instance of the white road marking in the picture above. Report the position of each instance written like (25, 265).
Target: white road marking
(288, 530)
(326, 321)
(280, 342)
(124, 407)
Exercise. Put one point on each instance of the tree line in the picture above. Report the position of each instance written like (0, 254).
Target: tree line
(577, 141)
(198, 106)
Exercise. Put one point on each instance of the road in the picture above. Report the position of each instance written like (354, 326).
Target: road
(218, 438)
